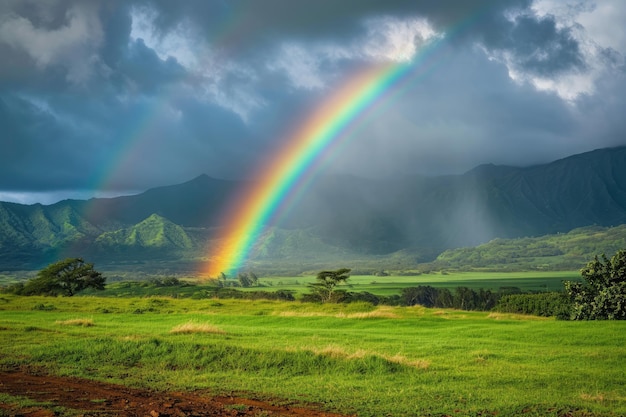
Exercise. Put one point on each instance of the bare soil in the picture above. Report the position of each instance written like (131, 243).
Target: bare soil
(83, 397)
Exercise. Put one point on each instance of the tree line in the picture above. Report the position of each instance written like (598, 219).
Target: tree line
(600, 296)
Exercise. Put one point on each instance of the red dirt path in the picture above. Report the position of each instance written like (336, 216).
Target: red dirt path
(90, 398)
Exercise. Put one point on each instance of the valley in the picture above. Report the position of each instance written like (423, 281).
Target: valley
(162, 329)
(558, 215)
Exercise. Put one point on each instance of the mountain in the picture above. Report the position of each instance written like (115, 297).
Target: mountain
(382, 216)
(154, 232)
(559, 251)
(338, 217)
(194, 203)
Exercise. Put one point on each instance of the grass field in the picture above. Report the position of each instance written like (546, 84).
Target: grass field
(389, 285)
(354, 358)
(385, 286)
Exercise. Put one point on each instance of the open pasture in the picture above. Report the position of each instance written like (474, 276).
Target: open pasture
(393, 284)
(379, 285)
(354, 358)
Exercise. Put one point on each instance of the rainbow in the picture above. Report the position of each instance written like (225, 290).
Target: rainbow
(292, 169)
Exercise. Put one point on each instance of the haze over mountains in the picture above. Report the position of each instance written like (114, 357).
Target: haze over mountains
(339, 217)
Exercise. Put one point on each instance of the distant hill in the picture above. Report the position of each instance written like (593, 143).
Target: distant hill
(401, 220)
(195, 203)
(551, 252)
(487, 202)
(153, 232)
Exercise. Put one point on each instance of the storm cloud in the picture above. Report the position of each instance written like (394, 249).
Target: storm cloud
(120, 96)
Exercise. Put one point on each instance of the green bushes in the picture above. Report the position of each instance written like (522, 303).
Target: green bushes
(603, 294)
(463, 298)
(225, 293)
(547, 304)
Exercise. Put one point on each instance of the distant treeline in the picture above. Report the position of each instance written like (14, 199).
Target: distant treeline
(506, 299)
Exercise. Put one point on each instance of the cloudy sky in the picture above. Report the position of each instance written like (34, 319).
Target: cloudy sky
(112, 97)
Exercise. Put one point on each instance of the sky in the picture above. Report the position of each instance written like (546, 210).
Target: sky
(104, 98)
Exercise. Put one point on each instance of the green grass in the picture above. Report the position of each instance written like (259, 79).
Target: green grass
(385, 286)
(14, 402)
(354, 358)
(389, 285)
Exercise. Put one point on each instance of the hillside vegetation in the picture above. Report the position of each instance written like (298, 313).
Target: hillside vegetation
(368, 224)
(563, 251)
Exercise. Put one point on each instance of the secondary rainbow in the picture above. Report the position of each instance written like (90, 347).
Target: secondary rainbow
(293, 167)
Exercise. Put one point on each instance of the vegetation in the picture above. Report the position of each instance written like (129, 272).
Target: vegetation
(463, 298)
(66, 277)
(247, 279)
(603, 294)
(601, 297)
(411, 221)
(563, 251)
(547, 304)
(351, 358)
(324, 288)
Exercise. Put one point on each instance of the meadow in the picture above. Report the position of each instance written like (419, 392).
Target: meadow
(536, 281)
(351, 358)
(393, 284)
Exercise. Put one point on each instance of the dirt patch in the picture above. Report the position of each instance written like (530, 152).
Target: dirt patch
(90, 398)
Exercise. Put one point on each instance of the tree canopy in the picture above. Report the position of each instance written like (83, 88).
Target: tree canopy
(603, 294)
(324, 288)
(66, 277)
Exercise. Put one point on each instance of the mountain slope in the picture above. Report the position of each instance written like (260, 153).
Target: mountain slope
(195, 203)
(340, 215)
(573, 192)
(153, 232)
(465, 210)
(558, 251)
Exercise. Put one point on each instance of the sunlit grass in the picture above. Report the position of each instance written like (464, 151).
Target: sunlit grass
(359, 358)
(76, 322)
(191, 327)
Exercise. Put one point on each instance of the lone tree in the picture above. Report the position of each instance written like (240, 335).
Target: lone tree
(324, 288)
(65, 277)
(603, 294)
(247, 279)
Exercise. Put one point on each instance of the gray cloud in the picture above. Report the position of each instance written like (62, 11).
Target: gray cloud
(135, 94)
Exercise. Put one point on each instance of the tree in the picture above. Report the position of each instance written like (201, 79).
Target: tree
(324, 288)
(247, 279)
(603, 294)
(66, 277)
(424, 295)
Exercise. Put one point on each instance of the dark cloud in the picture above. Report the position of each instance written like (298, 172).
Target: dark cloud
(243, 26)
(535, 43)
(464, 113)
(147, 71)
(89, 98)
(40, 151)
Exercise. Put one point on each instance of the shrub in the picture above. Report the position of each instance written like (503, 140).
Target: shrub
(603, 294)
(549, 304)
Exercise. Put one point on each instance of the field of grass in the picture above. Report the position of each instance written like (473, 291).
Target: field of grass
(389, 285)
(384, 286)
(353, 358)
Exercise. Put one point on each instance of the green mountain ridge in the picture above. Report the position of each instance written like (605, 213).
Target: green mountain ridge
(378, 223)
(153, 232)
(570, 250)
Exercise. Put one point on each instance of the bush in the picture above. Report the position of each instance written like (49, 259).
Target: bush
(603, 294)
(549, 304)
